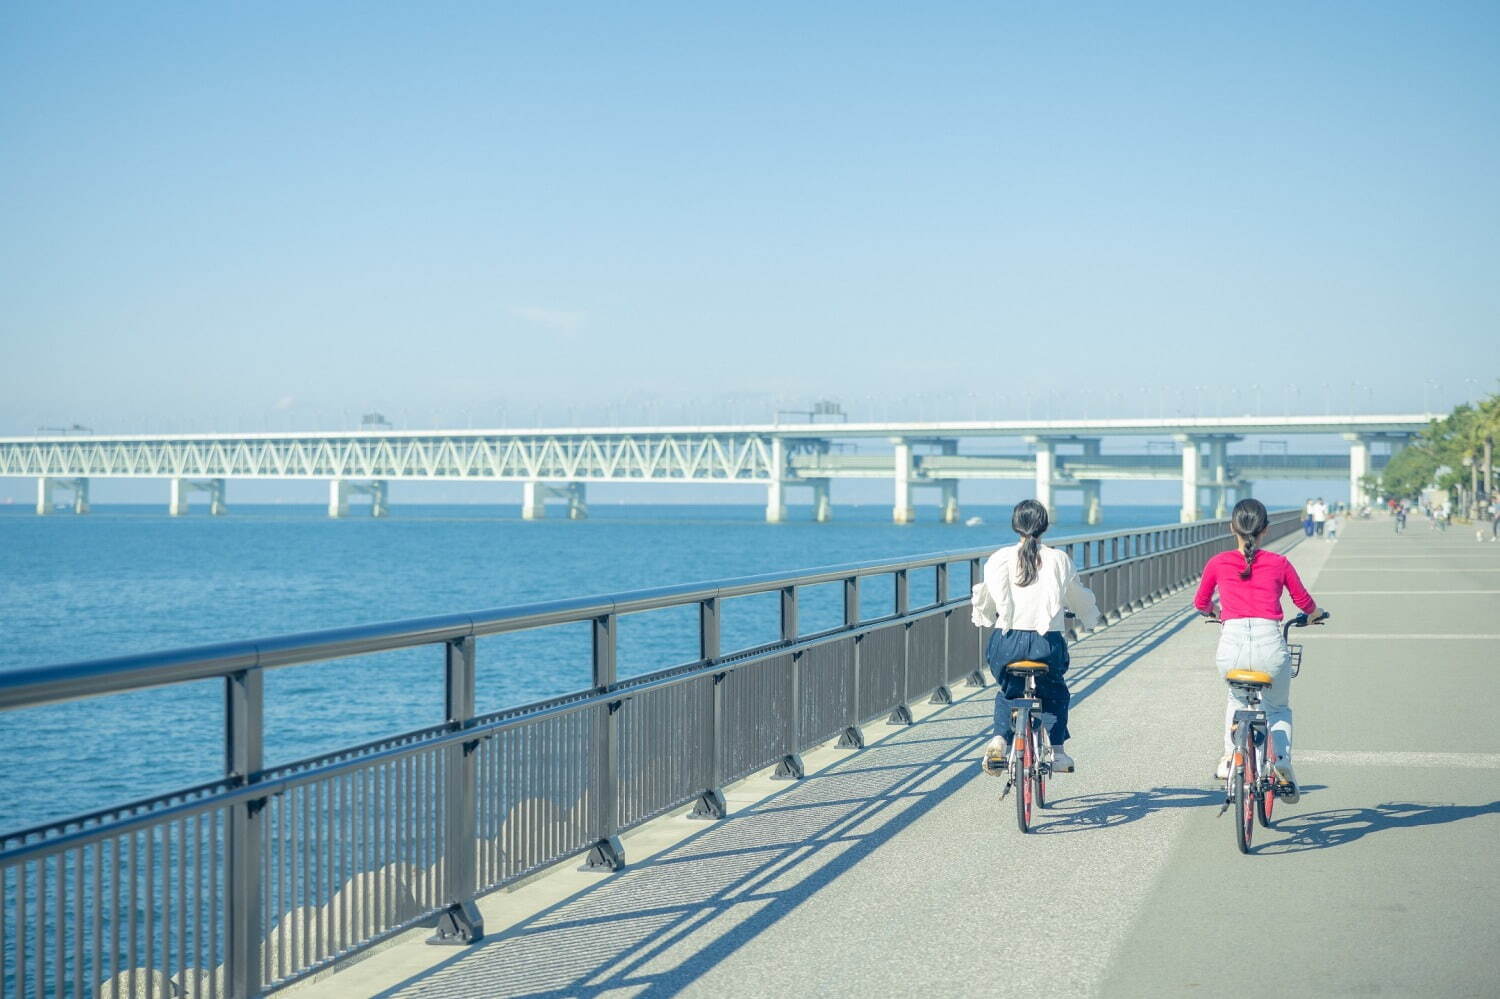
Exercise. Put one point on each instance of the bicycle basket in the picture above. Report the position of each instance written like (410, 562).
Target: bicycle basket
(1295, 650)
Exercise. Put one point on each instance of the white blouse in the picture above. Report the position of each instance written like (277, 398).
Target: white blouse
(1001, 602)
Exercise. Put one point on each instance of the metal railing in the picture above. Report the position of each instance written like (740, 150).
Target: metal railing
(270, 874)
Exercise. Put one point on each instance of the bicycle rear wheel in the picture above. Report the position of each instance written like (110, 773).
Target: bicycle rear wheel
(1265, 801)
(1243, 782)
(1025, 763)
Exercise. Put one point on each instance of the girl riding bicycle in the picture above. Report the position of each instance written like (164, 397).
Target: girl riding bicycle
(1027, 588)
(1250, 582)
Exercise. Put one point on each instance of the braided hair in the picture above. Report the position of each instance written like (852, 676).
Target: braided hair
(1247, 522)
(1029, 520)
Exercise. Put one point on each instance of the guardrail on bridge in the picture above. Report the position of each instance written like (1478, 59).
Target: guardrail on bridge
(268, 875)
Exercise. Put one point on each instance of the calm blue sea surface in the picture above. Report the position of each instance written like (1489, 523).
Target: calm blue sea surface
(131, 579)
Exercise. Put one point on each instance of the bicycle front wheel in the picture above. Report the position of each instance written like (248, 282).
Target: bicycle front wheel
(1243, 782)
(1265, 801)
(1025, 763)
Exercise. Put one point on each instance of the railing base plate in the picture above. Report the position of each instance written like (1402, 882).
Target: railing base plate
(901, 716)
(942, 695)
(606, 856)
(852, 738)
(458, 925)
(976, 679)
(710, 805)
(790, 768)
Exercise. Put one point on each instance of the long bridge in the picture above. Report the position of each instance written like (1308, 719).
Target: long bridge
(807, 816)
(560, 463)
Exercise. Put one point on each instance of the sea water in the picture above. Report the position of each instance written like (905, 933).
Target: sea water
(132, 579)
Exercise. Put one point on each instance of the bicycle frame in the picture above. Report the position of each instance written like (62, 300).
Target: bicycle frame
(1251, 787)
(1027, 762)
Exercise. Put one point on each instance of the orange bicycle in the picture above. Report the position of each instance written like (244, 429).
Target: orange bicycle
(1029, 764)
(1251, 787)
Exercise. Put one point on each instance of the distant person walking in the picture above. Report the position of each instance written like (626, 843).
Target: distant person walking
(1307, 517)
(1319, 515)
(1335, 520)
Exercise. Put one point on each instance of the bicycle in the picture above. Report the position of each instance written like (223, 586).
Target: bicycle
(1029, 761)
(1251, 787)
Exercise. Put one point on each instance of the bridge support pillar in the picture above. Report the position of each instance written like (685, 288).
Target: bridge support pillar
(1359, 467)
(340, 491)
(1219, 458)
(950, 501)
(182, 489)
(216, 505)
(822, 505)
(776, 488)
(1093, 509)
(1046, 468)
(1189, 511)
(47, 487)
(534, 497)
(533, 501)
(904, 512)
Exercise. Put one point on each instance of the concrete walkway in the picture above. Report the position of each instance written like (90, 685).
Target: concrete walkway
(897, 871)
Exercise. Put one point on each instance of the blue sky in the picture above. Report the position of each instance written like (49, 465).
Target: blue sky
(283, 215)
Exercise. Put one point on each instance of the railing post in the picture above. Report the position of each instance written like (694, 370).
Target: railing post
(710, 804)
(976, 576)
(790, 767)
(853, 737)
(244, 757)
(901, 715)
(460, 922)
(607, 854)
(942, 695)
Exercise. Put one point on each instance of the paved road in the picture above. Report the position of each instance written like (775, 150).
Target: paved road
(896, 871)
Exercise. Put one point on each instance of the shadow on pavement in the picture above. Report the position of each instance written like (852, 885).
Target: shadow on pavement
(1114, 808)
(1337, 827)
(656, 927)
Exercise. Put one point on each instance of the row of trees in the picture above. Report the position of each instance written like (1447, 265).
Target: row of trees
(1455, 453)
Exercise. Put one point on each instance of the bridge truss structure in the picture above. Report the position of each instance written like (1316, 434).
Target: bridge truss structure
(560, 463)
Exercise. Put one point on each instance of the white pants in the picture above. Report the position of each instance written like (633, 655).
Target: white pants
(1256, 643)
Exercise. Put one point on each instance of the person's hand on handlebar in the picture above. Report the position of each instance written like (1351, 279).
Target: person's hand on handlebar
(1318, 616)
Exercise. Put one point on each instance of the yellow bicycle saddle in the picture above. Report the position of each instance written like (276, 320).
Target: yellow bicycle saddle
(1031, 666)
(1249, 677)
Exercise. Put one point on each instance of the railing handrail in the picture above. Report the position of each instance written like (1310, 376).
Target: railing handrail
(480, 800)
(35, 685)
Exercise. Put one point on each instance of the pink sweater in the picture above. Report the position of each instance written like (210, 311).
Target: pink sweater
(1258, 596)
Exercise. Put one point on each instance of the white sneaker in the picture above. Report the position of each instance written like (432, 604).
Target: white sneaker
(1222, 773)
(1061, 762)
(994, 761)
(1285, 776)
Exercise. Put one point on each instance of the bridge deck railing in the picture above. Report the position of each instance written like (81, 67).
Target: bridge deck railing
(271, 874)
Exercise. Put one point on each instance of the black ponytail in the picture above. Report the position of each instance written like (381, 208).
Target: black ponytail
(1029, 520)
(1248, 521)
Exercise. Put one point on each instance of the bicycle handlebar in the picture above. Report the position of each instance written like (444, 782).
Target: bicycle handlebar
(1301, 621)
